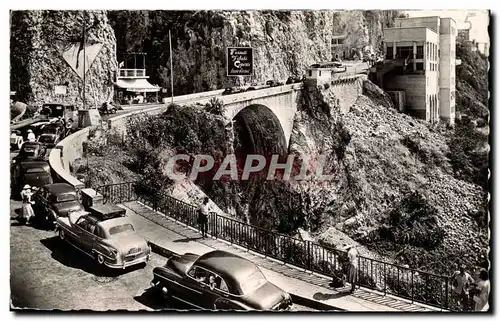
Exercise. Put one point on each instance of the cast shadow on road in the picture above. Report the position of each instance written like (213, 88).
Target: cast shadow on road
(328, 296)
(187, 239)
(154, 300)
(69, 256)
(36, 224)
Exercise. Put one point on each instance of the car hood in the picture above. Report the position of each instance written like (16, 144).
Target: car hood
(267, 297)
(63, 208)
(182, 263)
(127, 241)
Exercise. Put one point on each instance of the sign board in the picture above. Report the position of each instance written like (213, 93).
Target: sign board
(73, 54)
(239, 61)
(60, 90)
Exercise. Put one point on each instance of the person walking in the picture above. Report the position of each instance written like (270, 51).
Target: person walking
(203, 216)
(27, 212)
(461, 281)
(483, 287)
(31, 136)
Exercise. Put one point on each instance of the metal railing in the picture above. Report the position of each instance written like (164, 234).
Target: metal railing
(412, 284)
(132, 73)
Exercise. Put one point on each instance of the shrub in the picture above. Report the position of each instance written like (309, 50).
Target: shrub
(215, 106)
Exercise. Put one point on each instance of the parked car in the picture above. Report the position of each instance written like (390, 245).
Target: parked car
(232, 90)
(107, 108)
(293, 80)
(270, 83)
(56, 200)
(106, 234)
(218, 280)
(35, 173)
(250, 88)
(16, 140)
(31, 151)
(52, 134)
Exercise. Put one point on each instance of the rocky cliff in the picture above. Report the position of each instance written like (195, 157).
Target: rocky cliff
(284, 42)
(40, 38)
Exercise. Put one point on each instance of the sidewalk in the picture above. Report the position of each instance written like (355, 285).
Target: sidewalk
(165, 233)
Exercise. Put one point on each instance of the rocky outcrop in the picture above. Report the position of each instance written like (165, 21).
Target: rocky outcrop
(285, 42)
(38, 40)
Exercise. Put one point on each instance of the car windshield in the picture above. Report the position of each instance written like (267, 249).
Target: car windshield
(66, 197)
(35, 170)
(50, 130)
(253, 282)
(119, 229)
(46, 139)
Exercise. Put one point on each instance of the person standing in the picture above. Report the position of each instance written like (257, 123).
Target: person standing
(352, 255)
(203, 216)
(483, 287)
(31, 136)
(461, 281)
(27, 212)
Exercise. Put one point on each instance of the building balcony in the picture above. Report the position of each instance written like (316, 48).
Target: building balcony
(132, 73)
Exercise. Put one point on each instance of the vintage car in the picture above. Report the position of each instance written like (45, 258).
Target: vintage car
(107, 108)
(35, 173)
(55, 200)
(106, 234)
(51, 135)
(218, 280)
(30, 151)
(16, 140)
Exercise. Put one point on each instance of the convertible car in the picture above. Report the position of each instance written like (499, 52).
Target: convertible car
(105, 234)
(218, 280)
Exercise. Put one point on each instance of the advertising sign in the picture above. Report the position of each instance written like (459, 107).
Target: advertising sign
(239, 61)
(60, 90)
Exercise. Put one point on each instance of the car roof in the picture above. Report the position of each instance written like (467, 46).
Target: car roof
(107, 224)
(106, 208)
(59, 188)
(227, 265)
(30, 144)
(34, 164)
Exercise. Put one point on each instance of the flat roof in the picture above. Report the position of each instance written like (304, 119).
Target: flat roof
(427, 17)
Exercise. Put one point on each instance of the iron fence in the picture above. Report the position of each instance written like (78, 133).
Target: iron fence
(389, 278)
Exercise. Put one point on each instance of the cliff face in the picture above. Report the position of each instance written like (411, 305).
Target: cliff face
(40, 38)
(284, 42)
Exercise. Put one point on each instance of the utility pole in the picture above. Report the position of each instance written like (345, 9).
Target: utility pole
(171, 66)
(84, 56)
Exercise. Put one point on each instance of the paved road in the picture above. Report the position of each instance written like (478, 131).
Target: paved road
(46, 273)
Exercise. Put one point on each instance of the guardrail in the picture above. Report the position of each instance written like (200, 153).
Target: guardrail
(412, 284)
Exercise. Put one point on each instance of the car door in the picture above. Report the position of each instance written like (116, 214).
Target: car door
(81, 233)
(215, 288)
(195, 288)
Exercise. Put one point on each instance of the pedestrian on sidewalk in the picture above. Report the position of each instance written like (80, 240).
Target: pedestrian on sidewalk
(352, 254)
(203, 216)
(27, 212)
(483, 287)
(461, 281)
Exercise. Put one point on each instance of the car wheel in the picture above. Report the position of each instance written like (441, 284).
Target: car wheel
(61, 234)
(20, 144)
(113, 111)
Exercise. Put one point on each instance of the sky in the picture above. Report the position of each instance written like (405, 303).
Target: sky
(479, 29)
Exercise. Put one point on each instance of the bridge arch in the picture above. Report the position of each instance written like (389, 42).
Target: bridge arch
(258, 130)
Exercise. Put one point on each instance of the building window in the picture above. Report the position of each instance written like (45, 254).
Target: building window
(404, 52)
(320, 73)
(439, 53)
(420, 52)
(427, 50)
(420, 66)
(310, 73)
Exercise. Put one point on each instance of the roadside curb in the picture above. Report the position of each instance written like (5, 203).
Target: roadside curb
(155, 248)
